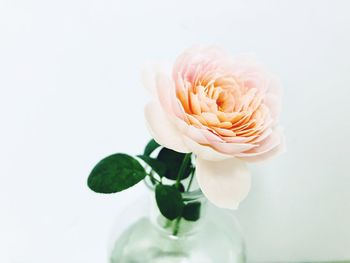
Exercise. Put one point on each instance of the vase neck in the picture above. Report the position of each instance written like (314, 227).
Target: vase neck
(194, 212)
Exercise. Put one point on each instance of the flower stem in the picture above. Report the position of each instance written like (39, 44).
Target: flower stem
(182, 170)
(191, 179)
(183, 167)
(153, 179)
(176, 226)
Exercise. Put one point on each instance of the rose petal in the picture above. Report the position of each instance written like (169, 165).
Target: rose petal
(165, 91)
(192, 132)
(148, 75)
(273, 102)
(204, 152)
(225, 183)
(167, 95)
(148, 80)
(162, 130)
(270, 147)
(232, 148)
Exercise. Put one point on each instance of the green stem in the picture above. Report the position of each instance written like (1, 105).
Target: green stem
(153, 179)
(191, 179)
(176, 226)
(183, 166)
(182, 170)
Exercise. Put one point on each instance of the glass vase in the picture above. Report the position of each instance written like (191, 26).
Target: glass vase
(143, 235)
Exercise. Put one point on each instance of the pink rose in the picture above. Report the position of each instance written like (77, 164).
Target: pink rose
(223, 110)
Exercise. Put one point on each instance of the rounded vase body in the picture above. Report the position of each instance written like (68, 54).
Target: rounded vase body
(143, 235)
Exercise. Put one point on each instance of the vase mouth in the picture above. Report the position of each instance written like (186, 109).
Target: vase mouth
(188, 195)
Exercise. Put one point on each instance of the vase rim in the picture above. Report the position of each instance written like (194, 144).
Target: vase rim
(191, 195)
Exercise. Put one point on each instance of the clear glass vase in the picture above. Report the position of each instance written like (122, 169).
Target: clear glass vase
(143, 235)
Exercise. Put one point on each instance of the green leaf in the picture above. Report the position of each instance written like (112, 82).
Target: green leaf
(150, 147)
(156, 165)
(115, 173)
(191, 211)
(173, 161)
(169, 201)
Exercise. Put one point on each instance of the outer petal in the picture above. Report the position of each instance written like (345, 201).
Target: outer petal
(165, 90)
(204, 152)
(225, 183)
(273, 146)
(162, 130)
(232, 148)
(148, 75)
(148, 80)
(167, 95)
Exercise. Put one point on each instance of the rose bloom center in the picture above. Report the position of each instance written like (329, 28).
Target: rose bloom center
(225, 105)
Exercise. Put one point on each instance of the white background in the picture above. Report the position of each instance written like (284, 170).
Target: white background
(71, 94)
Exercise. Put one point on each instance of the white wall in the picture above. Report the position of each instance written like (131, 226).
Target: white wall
(70, 94)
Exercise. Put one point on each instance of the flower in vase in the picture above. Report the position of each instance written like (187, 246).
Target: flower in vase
(224, 110)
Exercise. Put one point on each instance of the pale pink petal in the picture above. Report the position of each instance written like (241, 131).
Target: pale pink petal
(222, 107)
(148, 80)
(279, 149)
(225, 183)
(167, 95)
(148, 75)
(238, 139)
(162, 130)
(205, 57)
(270, 147)
(211, 135)
(273, 102)
(232, 148)
(274, 85)
(267, 132)
(204, 152)
(165, 91)
(196, 134)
